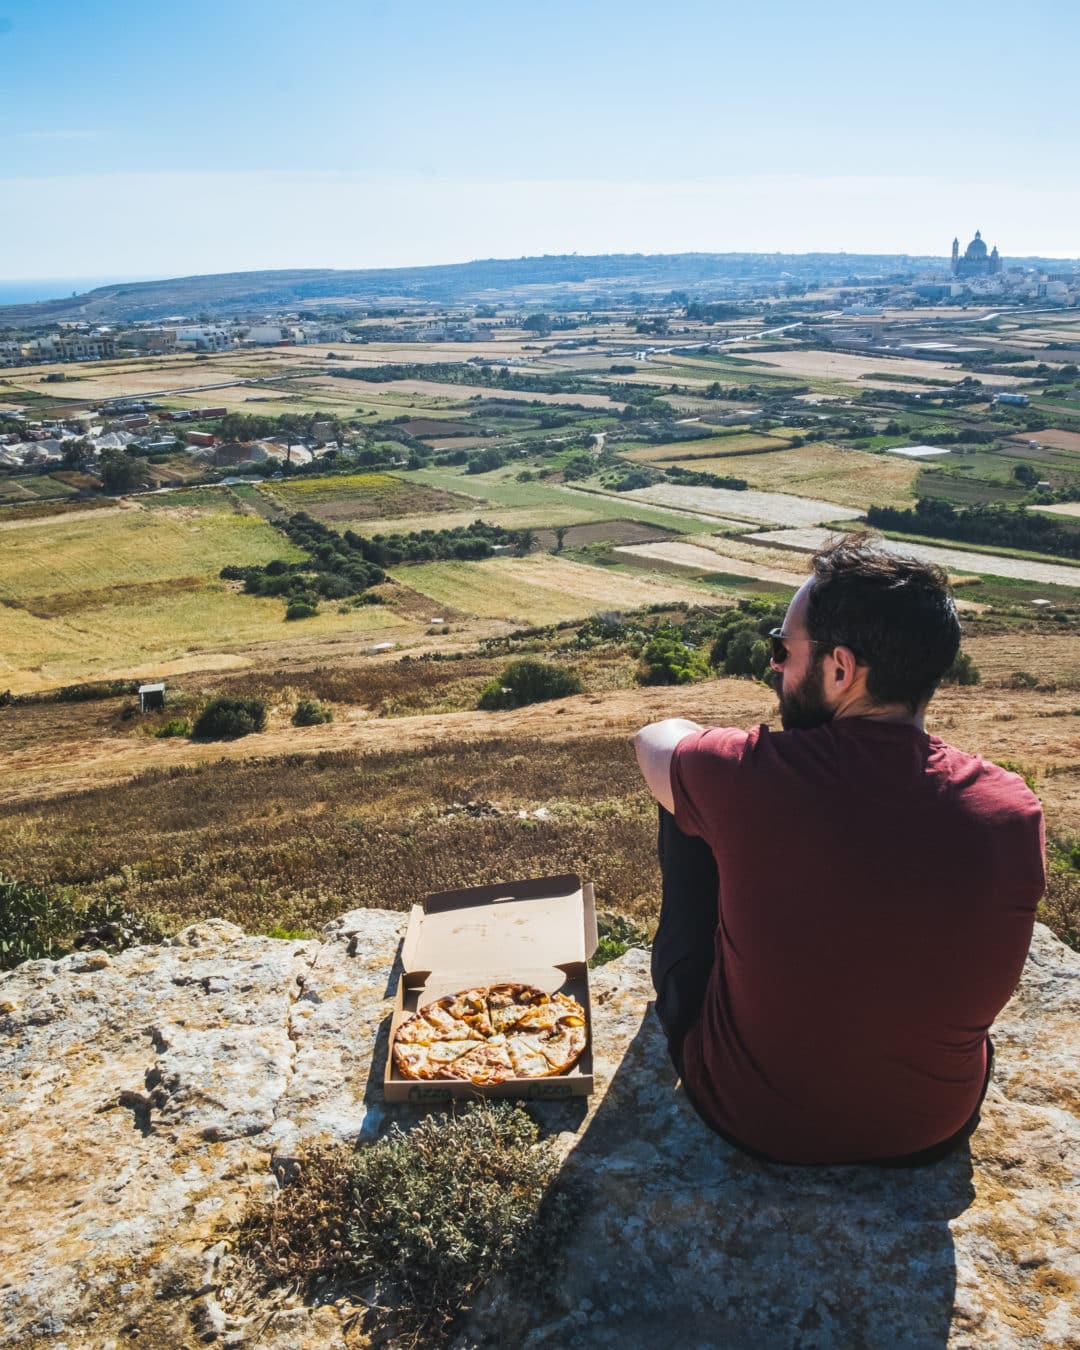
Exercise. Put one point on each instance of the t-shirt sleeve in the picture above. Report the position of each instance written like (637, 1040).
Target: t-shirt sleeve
(703, 769)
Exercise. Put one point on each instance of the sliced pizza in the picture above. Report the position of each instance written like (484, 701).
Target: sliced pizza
(487, 1036)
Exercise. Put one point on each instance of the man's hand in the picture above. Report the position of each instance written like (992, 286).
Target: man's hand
(654, 745)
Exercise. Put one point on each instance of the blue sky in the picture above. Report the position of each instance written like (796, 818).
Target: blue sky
(141, 139)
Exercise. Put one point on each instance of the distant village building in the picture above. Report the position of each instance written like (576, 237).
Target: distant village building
(203, 339)
(976, 262)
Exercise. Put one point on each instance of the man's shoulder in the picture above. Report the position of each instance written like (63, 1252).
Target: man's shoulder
(1002, 782)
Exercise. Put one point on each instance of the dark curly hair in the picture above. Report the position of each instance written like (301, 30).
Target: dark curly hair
(893, 611)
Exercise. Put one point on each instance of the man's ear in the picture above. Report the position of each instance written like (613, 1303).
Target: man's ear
(845, 669)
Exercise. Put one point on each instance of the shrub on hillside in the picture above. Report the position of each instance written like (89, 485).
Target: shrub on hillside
(423, 1219)
(668, 660)
(527, 681)
(311, 713)
(301, 609)
(175, 726)
(225, 719)
(962, 671)
(37, 923)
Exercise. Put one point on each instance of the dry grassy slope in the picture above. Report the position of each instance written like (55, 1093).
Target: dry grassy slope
(67, 748)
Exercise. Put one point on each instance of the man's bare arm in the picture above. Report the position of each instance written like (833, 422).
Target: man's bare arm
(654, 745)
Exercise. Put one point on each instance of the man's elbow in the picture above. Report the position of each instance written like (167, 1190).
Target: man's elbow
(654, 746)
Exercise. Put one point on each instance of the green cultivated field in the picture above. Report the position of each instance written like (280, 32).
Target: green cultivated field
(363, 496)
(86, 595)
(84, 554)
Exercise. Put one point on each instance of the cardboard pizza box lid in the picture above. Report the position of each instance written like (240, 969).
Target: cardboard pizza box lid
(529, 925)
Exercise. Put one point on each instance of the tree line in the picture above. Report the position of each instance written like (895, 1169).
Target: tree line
(989, 524)
(341, 566)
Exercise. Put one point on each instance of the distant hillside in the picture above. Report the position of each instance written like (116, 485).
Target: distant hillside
(508, 280)
(548, 279)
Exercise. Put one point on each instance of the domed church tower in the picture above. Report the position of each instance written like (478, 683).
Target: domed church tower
(977, 261)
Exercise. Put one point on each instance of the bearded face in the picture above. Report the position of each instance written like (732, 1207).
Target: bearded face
(803, 705)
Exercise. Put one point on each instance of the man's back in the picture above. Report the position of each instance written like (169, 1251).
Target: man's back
(877, 892)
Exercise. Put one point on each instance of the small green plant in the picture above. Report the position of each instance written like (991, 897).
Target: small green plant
(27, 923)
(1022, 679)
(311, 713)
(1011, 766)
(36, 923)
(528, 681)
(421, 1219)
(301, 609)
(617, 935)
(225, 719)
(175, 726)
(284, 934)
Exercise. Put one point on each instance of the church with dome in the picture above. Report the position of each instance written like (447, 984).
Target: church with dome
(976, 261)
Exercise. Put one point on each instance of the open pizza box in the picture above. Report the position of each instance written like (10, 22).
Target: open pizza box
(539, 932)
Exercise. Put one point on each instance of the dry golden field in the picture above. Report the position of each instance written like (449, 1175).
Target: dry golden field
(295, 825)
(687, 554)
(103, 593)
(682, 452)
(953, 559)
(540, 588)
(846, 367)
(774, 507)
(848, 477)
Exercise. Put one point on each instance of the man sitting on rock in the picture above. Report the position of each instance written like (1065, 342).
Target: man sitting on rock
(847, 903)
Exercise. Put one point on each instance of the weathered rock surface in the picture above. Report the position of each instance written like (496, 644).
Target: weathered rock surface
(144, 1099)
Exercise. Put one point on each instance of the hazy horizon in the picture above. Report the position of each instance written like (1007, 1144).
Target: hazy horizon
(358, 134)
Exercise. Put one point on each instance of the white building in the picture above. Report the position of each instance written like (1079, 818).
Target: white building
(204, 339)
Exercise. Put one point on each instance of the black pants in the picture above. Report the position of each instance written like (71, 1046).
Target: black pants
(683, 955)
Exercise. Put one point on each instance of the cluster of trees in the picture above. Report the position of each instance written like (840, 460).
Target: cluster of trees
(236, 426)
(745, 393)
(477, 540)
(712, 311)
(962, 436)
(732, 643)
(225, 718)
(494, 377)
(343, 565)
(336, 569)
(700, 478)
(990, 524)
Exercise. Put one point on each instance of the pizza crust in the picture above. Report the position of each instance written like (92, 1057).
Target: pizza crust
(486, 1036)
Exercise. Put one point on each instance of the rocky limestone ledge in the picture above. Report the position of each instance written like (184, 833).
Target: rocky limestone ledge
(145, 1098)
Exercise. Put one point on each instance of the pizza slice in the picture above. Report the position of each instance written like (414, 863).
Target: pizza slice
(449, 1025)
(471, 1009)
(526, 1058)
(412, 1060)
(506, 1005)
(561, 1048)
(484, 1064)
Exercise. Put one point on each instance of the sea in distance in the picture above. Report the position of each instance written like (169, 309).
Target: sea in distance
(25, 292)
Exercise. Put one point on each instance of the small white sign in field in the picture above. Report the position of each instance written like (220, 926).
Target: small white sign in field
(757, 508)
(954, 559)
(918, 451)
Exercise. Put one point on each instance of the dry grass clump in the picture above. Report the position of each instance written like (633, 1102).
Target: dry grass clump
(296, 840)
(1060, 907)
(413, 1226)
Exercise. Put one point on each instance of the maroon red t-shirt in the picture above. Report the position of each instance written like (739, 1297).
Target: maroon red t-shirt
(877, 895)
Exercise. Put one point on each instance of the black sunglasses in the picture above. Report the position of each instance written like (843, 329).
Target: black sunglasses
(778, 641)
